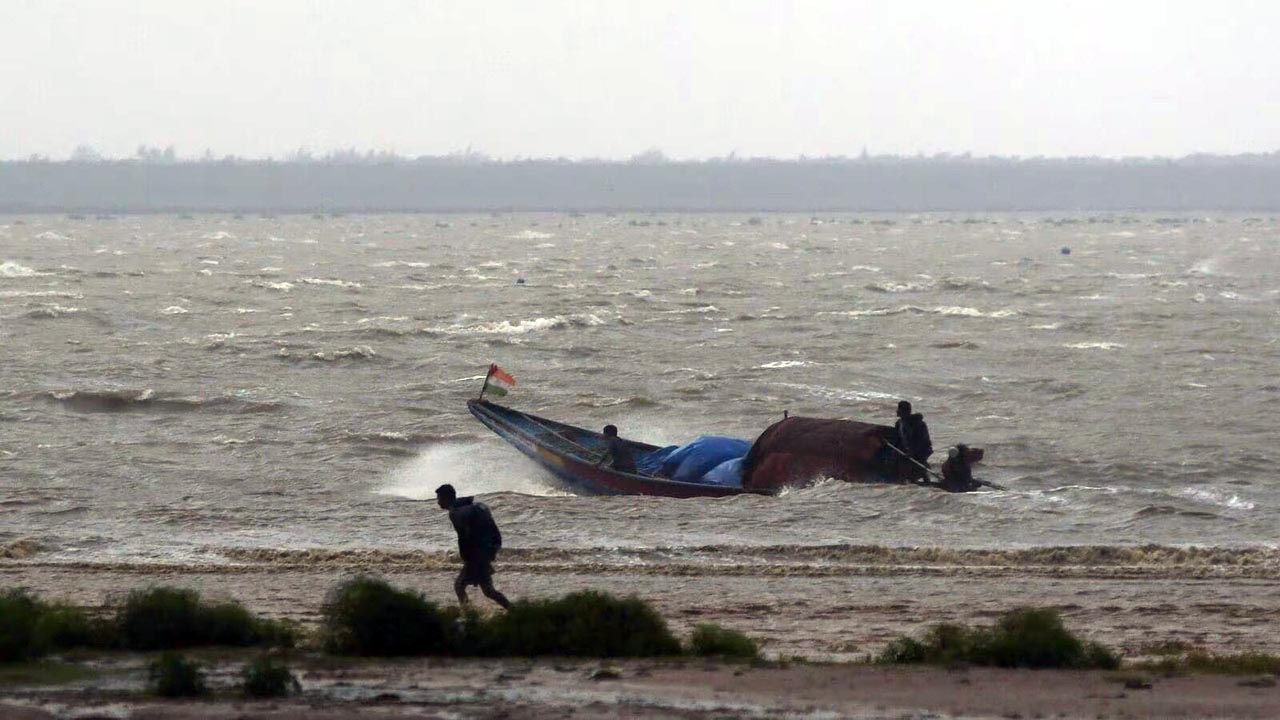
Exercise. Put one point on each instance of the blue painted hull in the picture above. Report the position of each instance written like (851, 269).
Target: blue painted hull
(570, 453)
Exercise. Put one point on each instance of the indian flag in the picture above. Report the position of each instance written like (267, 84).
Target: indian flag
(500, 381)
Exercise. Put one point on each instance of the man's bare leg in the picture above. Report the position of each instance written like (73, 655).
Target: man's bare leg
(460, 588)
(493, 594)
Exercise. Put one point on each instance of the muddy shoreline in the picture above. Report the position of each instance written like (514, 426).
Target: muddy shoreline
(694, 689)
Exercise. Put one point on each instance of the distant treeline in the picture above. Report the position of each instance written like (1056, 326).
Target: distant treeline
(386, 183)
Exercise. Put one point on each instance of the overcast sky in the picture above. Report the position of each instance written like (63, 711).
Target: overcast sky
(611, 79)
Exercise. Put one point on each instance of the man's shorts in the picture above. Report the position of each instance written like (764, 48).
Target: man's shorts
(478, 572)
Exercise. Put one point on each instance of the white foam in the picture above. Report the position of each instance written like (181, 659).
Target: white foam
(468, 467)
(402, 263)
(40, 293)
(1221, 499)
(840, 394)
(1094, 346)
(890, 287)
(779, 364)
(1204, 267)
(54, 311)
(174, 310)
(521, 327)
(51, 235)
(940, 310)
(14, 270)
(335, 282)
(698, 310)
(219, 235)
(531, 235)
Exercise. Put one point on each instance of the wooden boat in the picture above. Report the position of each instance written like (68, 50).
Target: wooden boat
(570, 453)
(791, 452)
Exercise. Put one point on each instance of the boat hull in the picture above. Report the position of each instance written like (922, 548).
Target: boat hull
(570, 454)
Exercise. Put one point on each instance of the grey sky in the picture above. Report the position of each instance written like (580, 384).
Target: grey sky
(610, 79)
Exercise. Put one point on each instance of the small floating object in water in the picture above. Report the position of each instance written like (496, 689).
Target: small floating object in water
(519, 281)
(1066, 250)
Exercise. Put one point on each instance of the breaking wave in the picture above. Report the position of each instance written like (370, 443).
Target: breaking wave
(41, 293)
(890, 287)
(1094, 346)
(520, 327)
(335, 282)
(52, 311)
(108, 401)
(359, 352)
(914, 309)
(10, 269)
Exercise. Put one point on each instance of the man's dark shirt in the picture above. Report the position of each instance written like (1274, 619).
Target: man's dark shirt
(957, 476)
(619, 456)
(913, 433)
(478, 536)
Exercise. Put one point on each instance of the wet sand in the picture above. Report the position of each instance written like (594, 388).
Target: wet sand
(638, 689)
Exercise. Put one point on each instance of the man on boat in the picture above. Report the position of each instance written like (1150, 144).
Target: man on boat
(913, 439)
(478, 543)
(957, 475)
(618, 453)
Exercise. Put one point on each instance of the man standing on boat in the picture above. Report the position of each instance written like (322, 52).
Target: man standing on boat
(914, 440)
(478, 543)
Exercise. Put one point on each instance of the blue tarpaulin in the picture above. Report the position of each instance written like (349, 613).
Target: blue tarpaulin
(693, 460)
(727, 473)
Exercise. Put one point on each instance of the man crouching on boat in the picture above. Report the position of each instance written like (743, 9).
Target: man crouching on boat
(478, 543)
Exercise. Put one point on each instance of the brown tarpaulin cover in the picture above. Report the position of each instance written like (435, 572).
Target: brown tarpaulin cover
(799, 449)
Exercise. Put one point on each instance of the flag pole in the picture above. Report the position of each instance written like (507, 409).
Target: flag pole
(485, 386)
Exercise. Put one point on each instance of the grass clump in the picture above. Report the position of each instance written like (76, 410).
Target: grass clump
(709, 639)
(267, 677)
(165, 617)
(19, 636)
(172, 675)
(367, 616)
(66, 627)
(1026, 638)
(584, 624)
(30, 628)
(1249, 663)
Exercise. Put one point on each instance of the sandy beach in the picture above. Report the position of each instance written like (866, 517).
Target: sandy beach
(840, 610)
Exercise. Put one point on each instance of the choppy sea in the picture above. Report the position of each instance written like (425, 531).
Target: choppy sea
(206, 389)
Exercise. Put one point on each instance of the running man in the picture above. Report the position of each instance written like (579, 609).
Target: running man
(478, 543)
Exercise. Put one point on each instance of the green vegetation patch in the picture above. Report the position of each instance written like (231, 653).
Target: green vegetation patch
(165, 617)
(586, 624)
(1248, 663)
(172, 675)
(30, 628)
(41, 673)
(709, 639)
(1025, 638)
(267, 677)
(367, 616)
